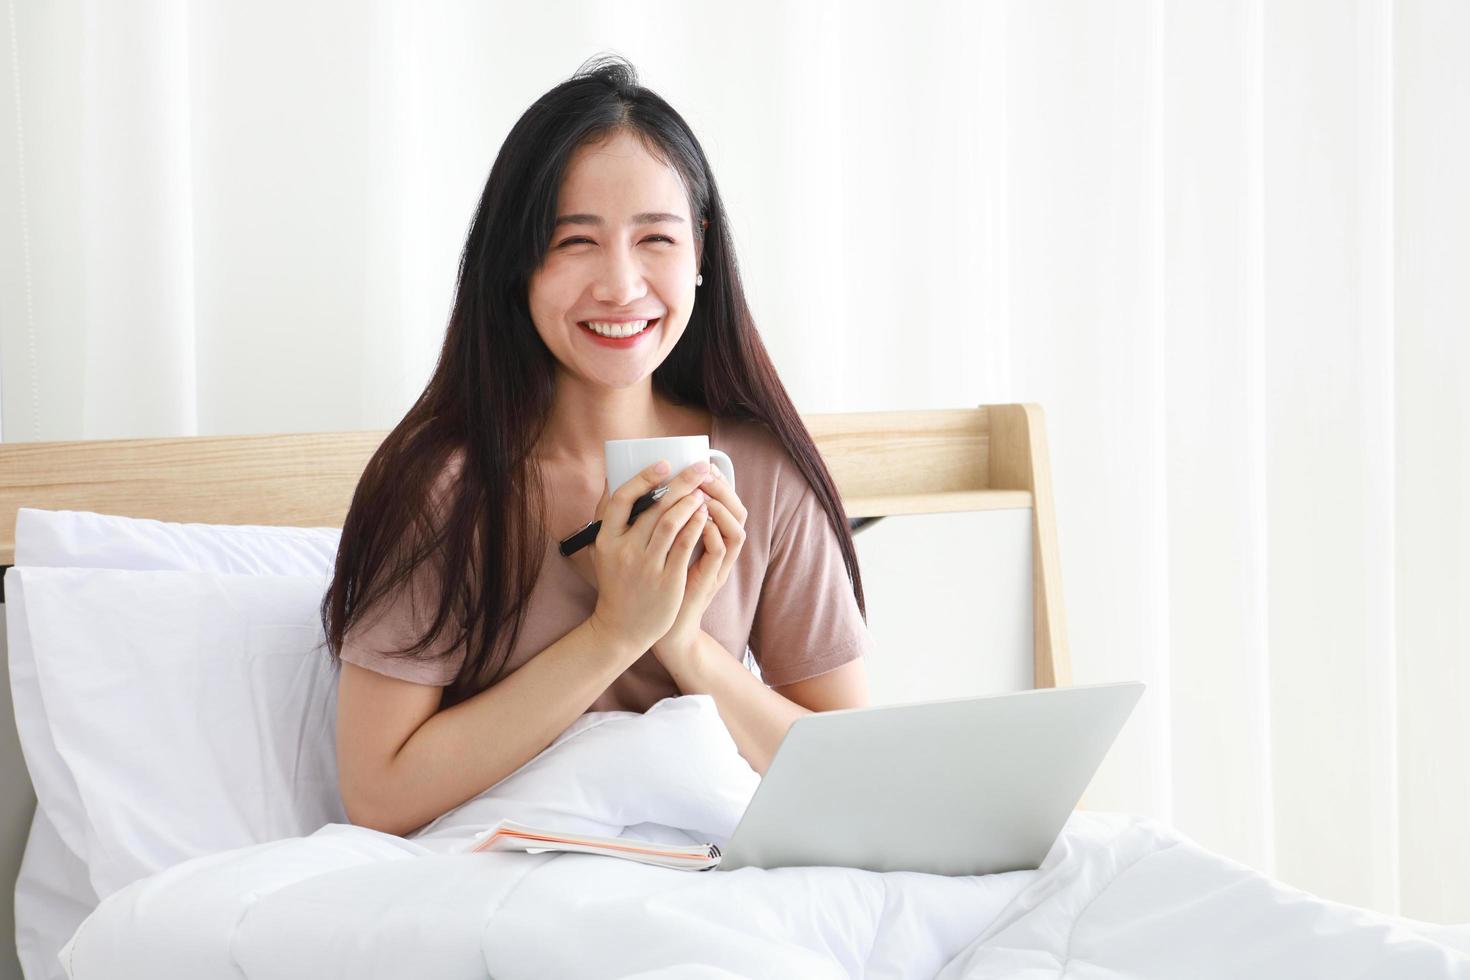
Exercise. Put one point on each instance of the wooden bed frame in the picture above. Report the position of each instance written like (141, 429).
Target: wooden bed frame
(885, 464)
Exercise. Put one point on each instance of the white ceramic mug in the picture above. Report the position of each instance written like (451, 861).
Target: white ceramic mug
(626, 458)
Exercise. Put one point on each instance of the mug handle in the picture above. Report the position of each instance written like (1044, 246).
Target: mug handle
(725, 466)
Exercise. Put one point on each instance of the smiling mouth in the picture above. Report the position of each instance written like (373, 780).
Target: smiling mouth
(617, 331)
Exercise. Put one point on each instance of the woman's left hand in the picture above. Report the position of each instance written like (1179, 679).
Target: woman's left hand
(723, 537)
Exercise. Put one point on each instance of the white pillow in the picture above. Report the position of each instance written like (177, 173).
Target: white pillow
(63, 538)
(53, 896)
(53, 886)
(56, 791)
(52, 892)
(75, 538)
(191, 712)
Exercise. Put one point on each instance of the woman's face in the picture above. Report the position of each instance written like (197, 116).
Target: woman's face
(622, 250)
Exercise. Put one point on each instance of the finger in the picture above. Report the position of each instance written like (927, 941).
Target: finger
(732, 552)
(733, 538)
(680, 487)
(714, 551)
(672, 523)
(729, 527)
(688, 537)
(719, 488)
(620, 504)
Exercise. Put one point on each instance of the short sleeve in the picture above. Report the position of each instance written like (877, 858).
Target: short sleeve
(399, 619)
(807, 621)
(396, 623)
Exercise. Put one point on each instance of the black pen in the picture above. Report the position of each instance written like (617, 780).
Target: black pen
(576, 542)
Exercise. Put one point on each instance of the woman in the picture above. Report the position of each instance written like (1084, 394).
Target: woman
(467, 642)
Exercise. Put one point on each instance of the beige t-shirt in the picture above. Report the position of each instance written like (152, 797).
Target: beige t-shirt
(787, 597)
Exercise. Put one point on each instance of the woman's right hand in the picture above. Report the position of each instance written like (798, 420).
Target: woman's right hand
(642, 568)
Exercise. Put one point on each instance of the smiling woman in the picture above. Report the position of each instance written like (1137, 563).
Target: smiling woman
(599, 298)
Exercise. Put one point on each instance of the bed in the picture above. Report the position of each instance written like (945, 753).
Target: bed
(177, 736)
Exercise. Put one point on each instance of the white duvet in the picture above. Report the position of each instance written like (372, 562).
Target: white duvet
(1117, 897)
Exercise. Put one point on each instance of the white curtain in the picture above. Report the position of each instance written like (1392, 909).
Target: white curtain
(1224, 243)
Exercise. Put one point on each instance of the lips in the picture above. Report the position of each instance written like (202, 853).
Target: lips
(619, 342)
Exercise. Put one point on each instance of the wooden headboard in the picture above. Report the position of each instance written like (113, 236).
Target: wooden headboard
(884, 463)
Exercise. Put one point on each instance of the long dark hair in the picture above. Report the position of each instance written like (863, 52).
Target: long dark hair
(492, 390)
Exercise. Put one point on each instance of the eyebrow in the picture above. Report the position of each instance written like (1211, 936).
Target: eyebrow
(642, 218)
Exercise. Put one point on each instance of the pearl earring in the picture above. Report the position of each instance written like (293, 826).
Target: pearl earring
(699, 279)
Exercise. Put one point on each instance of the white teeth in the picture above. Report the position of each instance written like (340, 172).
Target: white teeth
(617, 329)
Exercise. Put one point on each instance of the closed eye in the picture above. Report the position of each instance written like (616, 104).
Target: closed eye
(574, 241)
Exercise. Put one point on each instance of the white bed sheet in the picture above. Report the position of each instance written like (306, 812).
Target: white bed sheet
(1116, 897)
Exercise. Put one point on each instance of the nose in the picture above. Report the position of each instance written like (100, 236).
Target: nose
(620, 279)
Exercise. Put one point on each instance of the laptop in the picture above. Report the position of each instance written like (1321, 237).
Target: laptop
(965, 786)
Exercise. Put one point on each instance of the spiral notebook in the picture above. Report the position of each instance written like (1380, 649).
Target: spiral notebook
(510, 836)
